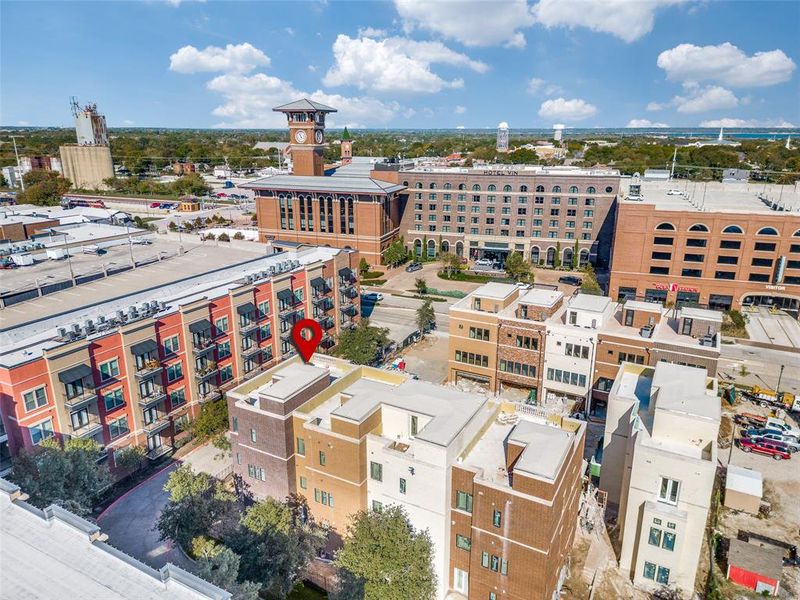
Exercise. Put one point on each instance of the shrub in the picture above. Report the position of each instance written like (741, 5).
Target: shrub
(210, 236)
(224, 237)
(238, 235)
(204, 547)
(371, 275)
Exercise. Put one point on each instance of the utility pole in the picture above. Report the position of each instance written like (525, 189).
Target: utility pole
(778, 387)
(19, 167)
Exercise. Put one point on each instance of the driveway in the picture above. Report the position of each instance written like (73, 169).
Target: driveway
(130, 522)
(778, 329)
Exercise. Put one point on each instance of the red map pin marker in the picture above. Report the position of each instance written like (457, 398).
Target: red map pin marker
(306, 343)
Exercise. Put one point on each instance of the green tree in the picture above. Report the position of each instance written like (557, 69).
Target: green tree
(590, 284)
(192, 184)
(396, 253)
(363, 266)
(222, 569)
(197, 501)
(384, 558)
(557, 257)
(450, 264)
(426, 317)
(276, 541)
(362, 343)
(68, 476)
(43, 188)
(129, 457)
(421, 285)
(518, 268)
(224, 237)
(575, 255)
(212, 420)
(3, 182)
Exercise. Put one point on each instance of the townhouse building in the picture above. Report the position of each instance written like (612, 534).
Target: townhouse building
(658, 468)
(716, 245)
(353, 438)
(503, 336)
(130, 358)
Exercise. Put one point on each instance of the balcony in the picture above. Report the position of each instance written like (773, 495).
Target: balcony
(210, 396)
(327, 341)
(320, 286)
(207, 372)
(349, 291)
(326, 323)
(203, 346)
(346, 275)
(157, 453)
(88, 396)
(155, 397)
(323, 303)
(158, 424)
(149, 369)
(248, 328)
(349, 309)
(348, 324)
(247, 352)
(88, 429)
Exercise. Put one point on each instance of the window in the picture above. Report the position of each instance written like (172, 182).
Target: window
(576, 351)
(663, 241)
(694, 257)
(730, 244)
(761, 262)
(41, 431)
(668, 492)
(699, 227)
(730, 275)
(221, 325)
(35, 399)
(301, 446)
(497, 518)
(109, 370)
(663, 576)
(113, 399)
(402, 486)
(654, 539)
(767, 231)
(668, 543)
(654, 270)
(235, 424)
(303, 483)
(463, 542)
(727, 260)
(322, 458)
(256, 472)
(118, 427)
(376, 471)
(172, 345)
(263, 309)
(529, 343)
(732, 229)
(477, 333)
(377, 506)
(414, 427)
(177, 397)
(464, 501)
(224, 349)
(485, 559)
(174, 371)
(524, 369)
(470, 358)
(253, 435)
(665, 227)
(765, 247)
(762, 277)
(661, 256)
(226, 373)
(495, 566)
(691, 273)
(649, 570)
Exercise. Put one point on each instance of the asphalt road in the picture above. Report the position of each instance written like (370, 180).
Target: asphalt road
(763, 366)
(399, 310)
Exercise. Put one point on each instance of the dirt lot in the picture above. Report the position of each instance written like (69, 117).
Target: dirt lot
(781, 490)
(427, 359)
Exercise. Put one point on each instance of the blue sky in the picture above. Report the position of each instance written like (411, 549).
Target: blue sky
(405, 63)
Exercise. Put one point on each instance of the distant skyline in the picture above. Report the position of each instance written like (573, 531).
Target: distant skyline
(404, 64)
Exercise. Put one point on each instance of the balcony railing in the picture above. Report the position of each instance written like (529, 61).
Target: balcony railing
(159, 424)
(211, 395)
(206, 373)
(154, 397)
(203, 346)
(88, 395)
(90, 428)
(326, 323)
(250, 327)
(349, 291)
(250, 351)
(156, 453)
(149, 369)
(323, 302)
(349, 309)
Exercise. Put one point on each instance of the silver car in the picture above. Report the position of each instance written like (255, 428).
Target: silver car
(791, 443)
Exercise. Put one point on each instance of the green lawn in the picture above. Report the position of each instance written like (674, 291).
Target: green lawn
(307, 592)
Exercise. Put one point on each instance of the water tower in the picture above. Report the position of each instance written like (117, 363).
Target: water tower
(558, 131)
(502, 137)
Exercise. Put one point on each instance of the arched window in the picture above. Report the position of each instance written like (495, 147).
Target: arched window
(796, 233)
(609, 189)
(461, 186)
(567, 257)
(506, 188)
(583, 259)
(431, 248)
(459, 249)
(573, 189)
(591, 190)
(476, 188)
(448, 186)
(417, 247)
(523, 188)
(539, 188)
(767, 231)
(551, 256)
(665, 227)
(556, 189)
(405, 184)
(418, 185)
(432, 186)
(445, 246)
(699, 227)
(732, 229)
(492, 187)
(535, 255)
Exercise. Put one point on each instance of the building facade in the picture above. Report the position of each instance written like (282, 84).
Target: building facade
(127, 371)
(87, 167)
(658, 468)
(353, 438)
(720, 245)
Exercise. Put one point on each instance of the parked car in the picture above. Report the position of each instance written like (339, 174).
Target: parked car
(570, 280)
(155, 204)
(415, 266)
(373, 296)
(484, 262)
(770, 435)
(775, 450)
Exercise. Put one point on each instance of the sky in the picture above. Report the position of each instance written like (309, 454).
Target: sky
(404, 63)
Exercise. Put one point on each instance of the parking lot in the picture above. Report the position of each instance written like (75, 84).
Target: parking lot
(779, 328)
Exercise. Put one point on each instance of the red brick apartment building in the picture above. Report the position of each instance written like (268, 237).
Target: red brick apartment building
(721, 245)
(131, 362)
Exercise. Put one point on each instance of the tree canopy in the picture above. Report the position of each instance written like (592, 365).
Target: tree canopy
(68, 476)
(43, 188)
(362, 343)
(384, 558)
(426, 317)
(222, 569)
(396, 253)
(518, 268)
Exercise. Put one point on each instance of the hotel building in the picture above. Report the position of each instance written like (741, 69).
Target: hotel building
(503, 336)
(719, 245)
(489, 212)
(658, 468)
(351, 438)
(128, 359)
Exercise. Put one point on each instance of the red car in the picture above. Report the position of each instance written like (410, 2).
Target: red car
(774, 449)
(155, 204)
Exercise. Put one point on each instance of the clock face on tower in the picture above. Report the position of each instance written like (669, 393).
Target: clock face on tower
(300, 136)
(318, 137)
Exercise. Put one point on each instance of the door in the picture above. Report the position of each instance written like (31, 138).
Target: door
(687, 326)
(154, 442)
(461, 581)
(150, 415)
(79, 418)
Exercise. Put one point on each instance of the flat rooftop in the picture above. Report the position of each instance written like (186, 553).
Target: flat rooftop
(495, 291)
(715, 196)
(289, 381)
(530, 170)
(540, 297)
(589, 302)
(744, 480)
(683, 389)
(341, 184)
(56, 554)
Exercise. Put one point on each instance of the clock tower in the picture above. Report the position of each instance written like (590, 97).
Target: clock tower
(306, 120)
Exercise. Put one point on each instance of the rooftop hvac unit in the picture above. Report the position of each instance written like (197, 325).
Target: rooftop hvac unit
(88, 325)
(162, 305)
(75, 328)
(62, 332)
(120, 315)
(131, 312)
(145, 307)
(101, 320)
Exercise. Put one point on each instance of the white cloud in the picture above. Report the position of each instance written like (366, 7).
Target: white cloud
(567, 110)
(395, 65)
(23, 123)
(289, 31)
(372, 32)
(626, 19)
(127, 122)
(730, 122)
(249, 99)
(238, 58)
(460, 127)
(653, 106)
(312, 68)
(540, 87)
(460, 110)
(645, 123)
(470, 22)
(726, 64)
(699, 99)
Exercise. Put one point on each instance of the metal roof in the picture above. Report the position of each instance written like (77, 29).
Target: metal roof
(303, 105)
(307, 183)
(201, 325)
(75, 373)
(144, 347)
(245, 308)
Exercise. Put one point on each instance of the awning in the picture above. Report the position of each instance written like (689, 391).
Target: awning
(144, 347)
(75, 373)
(345, 271)
(318, 282)
(245, 308)
(286, 295)
(200, 326)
